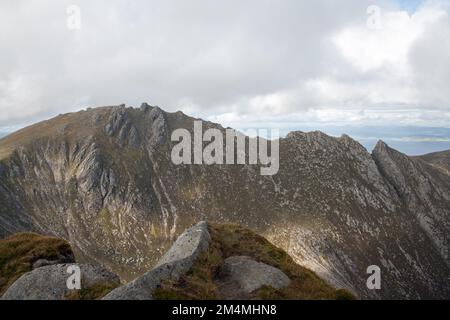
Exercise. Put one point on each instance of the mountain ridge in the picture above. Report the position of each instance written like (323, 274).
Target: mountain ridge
(103, 179)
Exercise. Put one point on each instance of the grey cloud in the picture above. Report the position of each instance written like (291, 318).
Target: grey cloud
(168, 51)
(205, 57)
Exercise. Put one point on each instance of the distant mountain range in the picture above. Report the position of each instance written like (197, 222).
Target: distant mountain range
(103, 179)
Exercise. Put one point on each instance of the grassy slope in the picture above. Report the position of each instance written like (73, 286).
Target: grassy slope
(67, 127)
(231, 240)
(18, 253)
(94, 292)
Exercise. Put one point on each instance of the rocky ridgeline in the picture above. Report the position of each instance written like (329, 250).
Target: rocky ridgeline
(104, 180)
(241, 275)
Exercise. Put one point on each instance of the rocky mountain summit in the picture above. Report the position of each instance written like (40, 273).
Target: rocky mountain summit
(103, 179)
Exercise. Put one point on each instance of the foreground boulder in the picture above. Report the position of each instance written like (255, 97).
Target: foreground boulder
(175, 263)
(240, 264)
(242, 275)
(23, 252)
(208, 261)
(50, 283)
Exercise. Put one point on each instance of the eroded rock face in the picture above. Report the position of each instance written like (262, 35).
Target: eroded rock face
(423, 190)
(50, 282)
(104, 180)
(242, 275)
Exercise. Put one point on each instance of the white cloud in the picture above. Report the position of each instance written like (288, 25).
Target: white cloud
(388, 47)
(234, 61)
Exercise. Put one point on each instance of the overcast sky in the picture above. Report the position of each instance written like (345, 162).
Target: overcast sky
(285, 63)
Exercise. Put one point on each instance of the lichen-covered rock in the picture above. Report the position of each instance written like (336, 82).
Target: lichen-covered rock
(50, 282)
(22, 252)
(186, 249)
(242, 275)
(175, 263)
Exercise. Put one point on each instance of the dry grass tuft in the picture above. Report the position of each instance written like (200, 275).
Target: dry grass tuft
(94, 292)
(18, 253)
